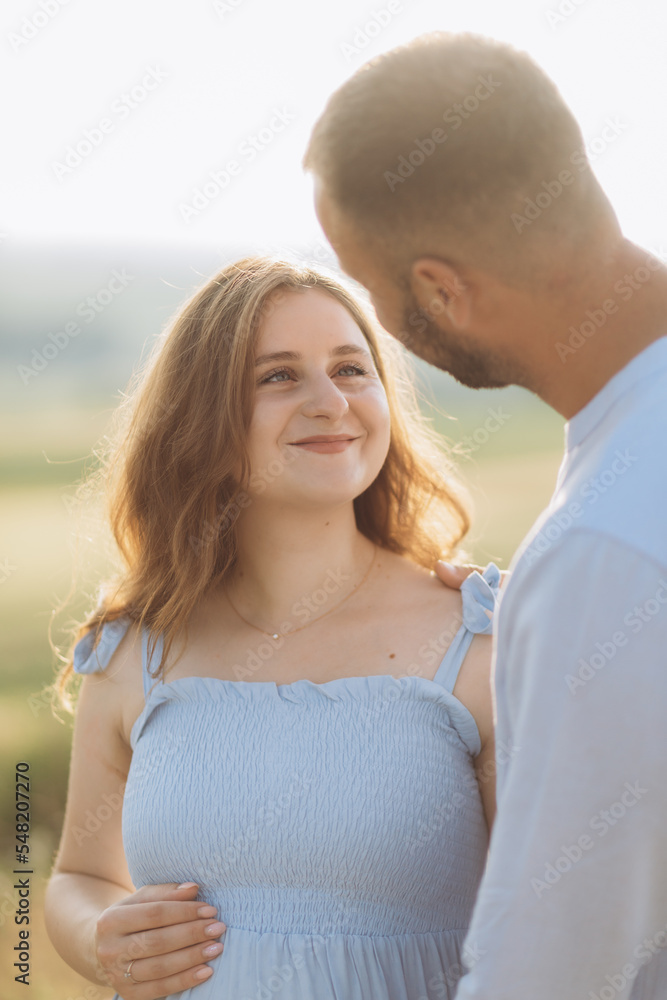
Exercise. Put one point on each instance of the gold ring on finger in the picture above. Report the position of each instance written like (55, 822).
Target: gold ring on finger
(128, 973)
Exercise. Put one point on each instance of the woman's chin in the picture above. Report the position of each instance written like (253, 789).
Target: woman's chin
(322, 495)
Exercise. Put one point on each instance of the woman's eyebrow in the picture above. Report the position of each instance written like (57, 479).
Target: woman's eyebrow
(295, 356)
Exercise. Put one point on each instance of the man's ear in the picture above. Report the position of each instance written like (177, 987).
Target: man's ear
(441, 291)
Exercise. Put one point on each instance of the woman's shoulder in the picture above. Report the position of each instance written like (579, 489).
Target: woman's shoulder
(112, 662)
(400, 569)
(420, 599)
(110, 650)
(476, 598)
(412, 599)
(415, 584)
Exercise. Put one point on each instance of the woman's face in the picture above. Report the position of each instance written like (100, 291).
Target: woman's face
(320, 428)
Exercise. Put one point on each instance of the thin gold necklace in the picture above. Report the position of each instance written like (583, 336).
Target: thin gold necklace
(279, 635)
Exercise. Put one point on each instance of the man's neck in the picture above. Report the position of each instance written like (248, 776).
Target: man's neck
(602, 325)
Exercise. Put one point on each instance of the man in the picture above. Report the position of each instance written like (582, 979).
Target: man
(452, 181)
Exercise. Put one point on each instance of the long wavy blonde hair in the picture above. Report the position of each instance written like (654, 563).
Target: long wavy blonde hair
(171, 469)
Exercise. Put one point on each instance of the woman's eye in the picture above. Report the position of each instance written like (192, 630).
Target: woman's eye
(285, 374)
(274, 376)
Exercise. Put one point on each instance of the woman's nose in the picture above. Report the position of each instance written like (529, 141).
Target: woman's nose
(324, 399)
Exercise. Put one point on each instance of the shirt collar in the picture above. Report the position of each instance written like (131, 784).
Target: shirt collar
(652, 359)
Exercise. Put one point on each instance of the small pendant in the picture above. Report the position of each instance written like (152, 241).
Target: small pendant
(275, 635)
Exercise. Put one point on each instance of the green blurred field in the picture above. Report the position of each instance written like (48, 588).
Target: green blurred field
(511, 476)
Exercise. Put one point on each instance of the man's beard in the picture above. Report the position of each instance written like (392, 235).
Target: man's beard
(470, 367)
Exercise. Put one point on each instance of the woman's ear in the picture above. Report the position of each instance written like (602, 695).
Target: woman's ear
(441, 291)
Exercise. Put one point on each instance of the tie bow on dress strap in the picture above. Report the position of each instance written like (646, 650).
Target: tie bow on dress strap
(88, 658)
(479, 593)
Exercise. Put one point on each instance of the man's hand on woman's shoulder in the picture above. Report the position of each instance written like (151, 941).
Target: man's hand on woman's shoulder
(453, 576)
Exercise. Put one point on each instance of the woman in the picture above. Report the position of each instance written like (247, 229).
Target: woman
(305, 777)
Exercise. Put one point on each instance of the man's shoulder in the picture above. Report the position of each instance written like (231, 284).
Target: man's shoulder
(614, 486)
(578, 549)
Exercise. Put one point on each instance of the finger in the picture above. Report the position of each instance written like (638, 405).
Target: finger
(162, 890)
(453, 576)
(163, 940)
(174, 963)
(151, 916)
(155, 989)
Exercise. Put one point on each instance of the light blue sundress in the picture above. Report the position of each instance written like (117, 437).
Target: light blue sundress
(337, 827)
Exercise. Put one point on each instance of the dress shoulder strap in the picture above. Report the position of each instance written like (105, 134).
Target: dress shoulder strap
(479, 594)
(151, 654)
(93, 653)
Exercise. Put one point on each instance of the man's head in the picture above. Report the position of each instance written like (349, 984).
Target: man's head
(451, 179)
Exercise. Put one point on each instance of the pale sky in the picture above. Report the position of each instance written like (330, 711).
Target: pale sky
(159, 93)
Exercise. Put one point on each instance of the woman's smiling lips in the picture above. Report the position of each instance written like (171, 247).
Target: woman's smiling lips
(325, 443)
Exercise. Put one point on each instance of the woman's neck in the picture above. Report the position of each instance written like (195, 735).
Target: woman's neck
(294, 565)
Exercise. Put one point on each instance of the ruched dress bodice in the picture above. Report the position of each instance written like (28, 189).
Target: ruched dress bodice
(337, 827)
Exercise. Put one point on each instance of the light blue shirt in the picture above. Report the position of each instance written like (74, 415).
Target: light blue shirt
(573, 903)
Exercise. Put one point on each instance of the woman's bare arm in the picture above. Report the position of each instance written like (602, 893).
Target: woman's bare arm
(473, 688)
(94, 916)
